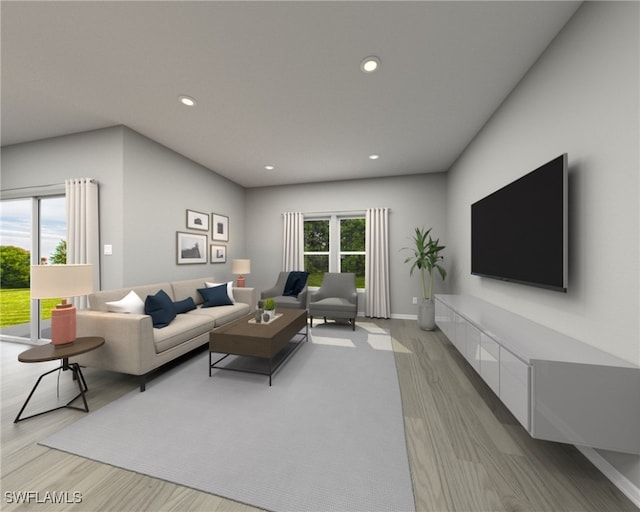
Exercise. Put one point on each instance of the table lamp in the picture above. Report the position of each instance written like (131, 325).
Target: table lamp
(54, 281)
(240, 267)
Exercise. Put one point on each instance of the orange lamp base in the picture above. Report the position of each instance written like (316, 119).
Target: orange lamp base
(63, 324)
(240, 283)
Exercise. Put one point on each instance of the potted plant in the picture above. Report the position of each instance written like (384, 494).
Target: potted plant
(269, 306)
(426, 257)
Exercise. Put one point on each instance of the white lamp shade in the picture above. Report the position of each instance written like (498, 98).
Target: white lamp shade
(60, 281)
(241, 267)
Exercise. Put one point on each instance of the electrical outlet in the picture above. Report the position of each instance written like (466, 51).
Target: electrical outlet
(108, 249)
(415, 300)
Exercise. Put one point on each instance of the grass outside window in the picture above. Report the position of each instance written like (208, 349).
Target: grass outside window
(15, 307)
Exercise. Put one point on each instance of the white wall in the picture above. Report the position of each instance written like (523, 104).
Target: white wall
(415, 201)
(159, 186)
(582, 98)
(95, 154)
(145, 190)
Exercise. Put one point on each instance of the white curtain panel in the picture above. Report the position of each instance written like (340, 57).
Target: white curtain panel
(377, 270)
(83, 228)
(293, 248)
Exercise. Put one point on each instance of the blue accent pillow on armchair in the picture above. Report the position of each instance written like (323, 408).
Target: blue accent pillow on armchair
(295, 283)
(161, 309)
(215, 296)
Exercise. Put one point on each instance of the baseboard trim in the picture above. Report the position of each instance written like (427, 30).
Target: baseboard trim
(399, 316)
(16, 339)
(625, 485)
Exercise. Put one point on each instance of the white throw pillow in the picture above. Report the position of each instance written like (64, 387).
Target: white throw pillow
(229, 289)
(130, 303)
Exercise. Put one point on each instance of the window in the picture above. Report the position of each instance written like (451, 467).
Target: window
(316, 249)
(352, 255)
(33, 231)
(334, 244)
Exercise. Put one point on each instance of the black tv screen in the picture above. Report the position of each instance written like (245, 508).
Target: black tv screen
(519, 233)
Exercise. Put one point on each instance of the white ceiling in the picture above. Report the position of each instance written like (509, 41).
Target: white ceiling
(276, 82)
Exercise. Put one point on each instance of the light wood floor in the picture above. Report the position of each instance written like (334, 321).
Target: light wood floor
(466, 451)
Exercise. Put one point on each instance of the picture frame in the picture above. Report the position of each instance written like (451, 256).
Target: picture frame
(218, 253)
(197, 220)
(219, 227)
(191, 248)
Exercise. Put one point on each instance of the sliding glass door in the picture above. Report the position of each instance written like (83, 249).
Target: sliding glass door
(16, 249)
(32, 231)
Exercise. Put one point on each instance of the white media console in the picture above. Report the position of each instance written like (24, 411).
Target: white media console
(557, 387)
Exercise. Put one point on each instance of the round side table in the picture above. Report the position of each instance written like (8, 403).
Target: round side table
(50, 352)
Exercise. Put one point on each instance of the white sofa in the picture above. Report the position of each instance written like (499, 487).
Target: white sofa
(134, 346)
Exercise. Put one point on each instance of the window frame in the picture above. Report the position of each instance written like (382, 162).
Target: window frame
(335, 251)
(35, 195)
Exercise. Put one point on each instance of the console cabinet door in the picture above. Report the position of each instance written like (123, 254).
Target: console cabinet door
(472, 352)
(444, 319)
(490, 362)
(460, 333)
(514, 386)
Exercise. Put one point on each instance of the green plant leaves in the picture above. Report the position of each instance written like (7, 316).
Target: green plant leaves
(426, 256)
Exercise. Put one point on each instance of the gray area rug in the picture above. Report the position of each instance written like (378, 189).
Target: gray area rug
(327, 436)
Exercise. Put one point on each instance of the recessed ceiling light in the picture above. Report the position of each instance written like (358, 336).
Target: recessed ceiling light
(269, 167)
(374, 157)
(188, 101)
(370, 64)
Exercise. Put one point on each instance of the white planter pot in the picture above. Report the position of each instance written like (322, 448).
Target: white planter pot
(427, 315)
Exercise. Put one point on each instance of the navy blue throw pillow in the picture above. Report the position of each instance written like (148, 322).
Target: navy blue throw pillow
(182, 306)
(161, 309)
(215, 296)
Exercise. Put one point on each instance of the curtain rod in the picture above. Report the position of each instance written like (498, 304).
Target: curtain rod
(52, 189)
(92, 180)
(337, 212)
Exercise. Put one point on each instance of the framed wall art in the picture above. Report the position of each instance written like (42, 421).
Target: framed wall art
(219, 227)
(197, 220)
(191, 248)
(218, 253)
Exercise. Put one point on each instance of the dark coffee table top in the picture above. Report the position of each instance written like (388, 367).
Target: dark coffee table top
(50, 352)
(242, 327)
(257, 340)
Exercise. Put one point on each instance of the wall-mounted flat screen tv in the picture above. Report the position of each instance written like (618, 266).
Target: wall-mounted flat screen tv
(519, 233)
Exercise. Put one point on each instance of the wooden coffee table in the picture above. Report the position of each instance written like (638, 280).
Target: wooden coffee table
(269, 345)
(50, 352)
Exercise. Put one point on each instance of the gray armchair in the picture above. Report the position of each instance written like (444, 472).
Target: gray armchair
(336, 298)
(290, 291)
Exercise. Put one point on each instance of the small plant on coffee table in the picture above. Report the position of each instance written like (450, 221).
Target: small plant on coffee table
(269, 306)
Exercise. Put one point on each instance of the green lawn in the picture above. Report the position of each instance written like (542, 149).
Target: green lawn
(15, 306)
(315, 279)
